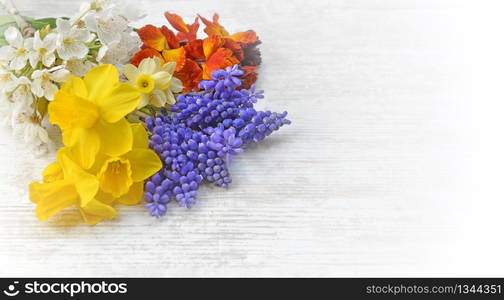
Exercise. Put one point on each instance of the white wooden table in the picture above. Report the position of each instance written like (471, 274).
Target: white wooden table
(389, 167)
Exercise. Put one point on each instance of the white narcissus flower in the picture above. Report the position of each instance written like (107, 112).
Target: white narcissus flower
(43, 50)
(71, 41)
(43, 84)
(16, 54)
(155, 81)
(79, 67)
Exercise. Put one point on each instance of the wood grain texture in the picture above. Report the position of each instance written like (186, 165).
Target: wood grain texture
(365, 182)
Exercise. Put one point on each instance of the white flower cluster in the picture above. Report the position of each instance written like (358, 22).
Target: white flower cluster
(110, 20)
(33, 68)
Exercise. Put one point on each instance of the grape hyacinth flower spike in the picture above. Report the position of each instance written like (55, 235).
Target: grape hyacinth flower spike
(198, 139)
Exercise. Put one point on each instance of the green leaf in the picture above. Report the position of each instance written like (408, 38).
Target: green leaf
(42, 23)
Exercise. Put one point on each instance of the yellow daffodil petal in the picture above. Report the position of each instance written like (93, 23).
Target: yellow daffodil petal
(75, 86)
(52, 197)
(115, 176)
(34, 192)
(100, 80)
(144, 163)
(70, 137)
(69, 111)
(162, 80)
(121, 100)
(52, 172)
(83, 144)
(116, 138)
(133, 196)
(105, 198)
(95, 211)
(140, 137)
(99, 161)
(86, 184)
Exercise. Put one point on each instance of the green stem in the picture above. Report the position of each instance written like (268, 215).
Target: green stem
(27, 71)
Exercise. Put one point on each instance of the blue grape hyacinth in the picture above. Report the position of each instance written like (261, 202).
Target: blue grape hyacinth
(197, 139)
(226, 143)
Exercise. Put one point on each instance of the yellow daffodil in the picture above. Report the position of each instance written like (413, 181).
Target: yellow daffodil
(91, 111)
(66, 184)
(121, 177)
(155, 81)
(111, 180)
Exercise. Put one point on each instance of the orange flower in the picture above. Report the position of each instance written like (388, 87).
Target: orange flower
(194, 50)
(145, 53)
(152, 37)
(172, 40)
(190, 75)
(186, 32)
(235, 47)
(158, 42)
(214, 28)
(177, 55)
(196, 59)
(216, 56)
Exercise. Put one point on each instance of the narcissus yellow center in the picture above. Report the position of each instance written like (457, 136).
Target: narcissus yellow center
(115, 176)
(145, 83)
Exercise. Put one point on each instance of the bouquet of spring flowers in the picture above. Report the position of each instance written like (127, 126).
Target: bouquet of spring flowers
(145, 115)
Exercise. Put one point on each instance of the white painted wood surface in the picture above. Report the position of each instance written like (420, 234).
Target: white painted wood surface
(384, 171)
